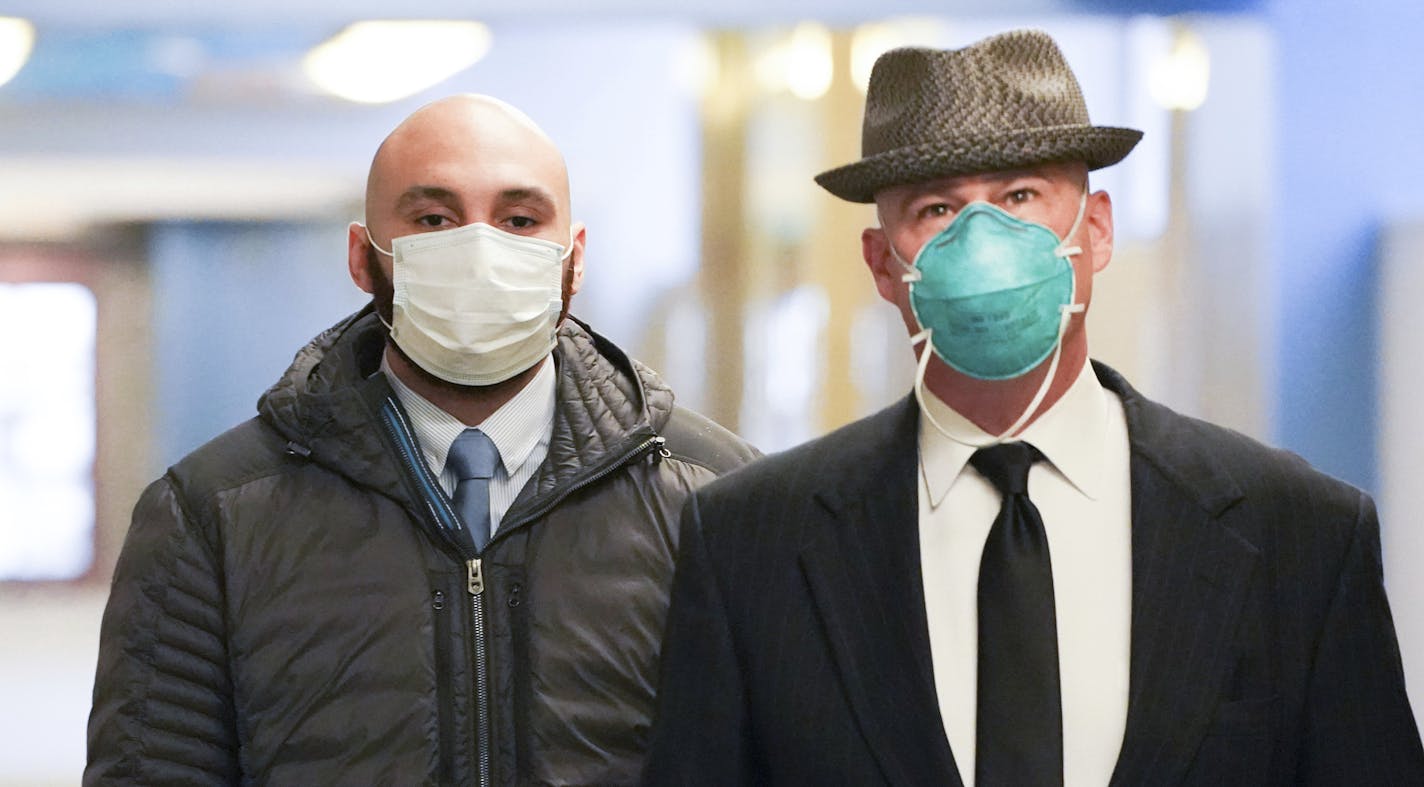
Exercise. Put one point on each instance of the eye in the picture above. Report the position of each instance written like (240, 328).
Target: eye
(521, 222)
(434, 221)
(934, 210)
(1020, 196)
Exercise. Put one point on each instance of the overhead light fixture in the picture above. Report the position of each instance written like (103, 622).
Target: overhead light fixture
(696, 65)
(1179, 79)
(17, 38)
(379, 62)
(800, 63)
(809, 68)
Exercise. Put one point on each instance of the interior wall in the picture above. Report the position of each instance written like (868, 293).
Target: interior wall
(232, 304)
(1348, 156)
(52, 628)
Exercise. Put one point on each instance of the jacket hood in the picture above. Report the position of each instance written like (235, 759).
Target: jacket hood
(325, 404)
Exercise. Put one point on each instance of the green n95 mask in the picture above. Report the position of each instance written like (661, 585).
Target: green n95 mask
(992, 290)
(992, 295)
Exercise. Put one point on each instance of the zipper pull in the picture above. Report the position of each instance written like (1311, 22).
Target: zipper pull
(476, 576)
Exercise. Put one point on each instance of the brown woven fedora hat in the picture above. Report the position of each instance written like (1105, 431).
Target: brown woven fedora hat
(1007, 101)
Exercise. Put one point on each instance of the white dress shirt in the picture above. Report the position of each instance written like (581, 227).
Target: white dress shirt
(1083, 492)
(520, 429)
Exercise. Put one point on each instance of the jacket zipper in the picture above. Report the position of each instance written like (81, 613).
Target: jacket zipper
(476, 586)
(475, 583)
(608, 469)
(476, 578)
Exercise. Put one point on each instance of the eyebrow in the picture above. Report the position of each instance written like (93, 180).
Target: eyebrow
(537, 196)
(417, 194)
(414, 195)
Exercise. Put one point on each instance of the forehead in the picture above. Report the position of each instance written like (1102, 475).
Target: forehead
(466, 162)
(1067, 174)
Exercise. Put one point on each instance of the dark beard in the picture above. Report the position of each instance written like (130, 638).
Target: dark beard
(383, 292)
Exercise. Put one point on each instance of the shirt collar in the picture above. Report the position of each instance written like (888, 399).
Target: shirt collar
(519, 424)
(1071, 435)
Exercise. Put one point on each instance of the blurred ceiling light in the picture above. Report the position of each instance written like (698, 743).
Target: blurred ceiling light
(809, 68)
(695, 66)
(379, 62)
(770, 68)
(1178, 80)
(17, 38)
(874, 39)
(799, 62)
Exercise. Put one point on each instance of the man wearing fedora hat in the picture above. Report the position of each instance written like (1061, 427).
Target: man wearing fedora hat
(1024, 573)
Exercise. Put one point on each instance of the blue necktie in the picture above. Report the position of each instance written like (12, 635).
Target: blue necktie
(1020, 710)
(473, 457)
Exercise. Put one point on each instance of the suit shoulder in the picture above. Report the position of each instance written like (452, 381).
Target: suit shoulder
(1202, 455)
(1224, 465)
(801, 470)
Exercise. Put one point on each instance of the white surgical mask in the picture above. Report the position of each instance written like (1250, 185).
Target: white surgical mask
(475, 305)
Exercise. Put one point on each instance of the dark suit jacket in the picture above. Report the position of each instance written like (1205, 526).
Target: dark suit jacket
(1262, 649)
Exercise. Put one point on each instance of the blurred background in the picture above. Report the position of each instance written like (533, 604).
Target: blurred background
(176, 178)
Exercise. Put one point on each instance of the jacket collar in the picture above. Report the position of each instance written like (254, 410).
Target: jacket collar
(329, 406)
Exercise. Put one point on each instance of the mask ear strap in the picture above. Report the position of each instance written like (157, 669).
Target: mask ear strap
(911, 273)
(373, 243)
(570, 250)
(1063, 249)
(920, 368)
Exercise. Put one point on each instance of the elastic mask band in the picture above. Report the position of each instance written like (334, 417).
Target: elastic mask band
(1066, 313)
(375, 245)
(911, 274)
(1073, 251)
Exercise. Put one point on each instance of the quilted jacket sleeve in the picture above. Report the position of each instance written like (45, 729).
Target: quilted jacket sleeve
(163, 705)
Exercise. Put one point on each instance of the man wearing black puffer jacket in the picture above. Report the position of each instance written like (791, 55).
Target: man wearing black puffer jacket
(323, 595)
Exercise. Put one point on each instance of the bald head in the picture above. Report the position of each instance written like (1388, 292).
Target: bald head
(465, 128)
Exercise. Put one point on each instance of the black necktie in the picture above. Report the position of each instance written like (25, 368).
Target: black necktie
(1020, 709)
(473, 458)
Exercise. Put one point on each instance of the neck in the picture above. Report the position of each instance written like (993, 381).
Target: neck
(994, 405)
(472, 404)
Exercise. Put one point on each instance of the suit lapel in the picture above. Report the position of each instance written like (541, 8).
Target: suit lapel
(1189, 579)
(863, 569)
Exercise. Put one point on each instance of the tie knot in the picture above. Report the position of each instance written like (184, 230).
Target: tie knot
(1006, 465)
(473, 455)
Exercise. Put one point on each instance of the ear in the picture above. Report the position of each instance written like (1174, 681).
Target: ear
(576, 258)
(1099, 221)
(356, 251)
(875, 248)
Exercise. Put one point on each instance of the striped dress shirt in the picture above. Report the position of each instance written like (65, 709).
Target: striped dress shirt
(521, 429)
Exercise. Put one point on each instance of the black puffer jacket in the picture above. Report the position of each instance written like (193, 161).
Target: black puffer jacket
(291, 606)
